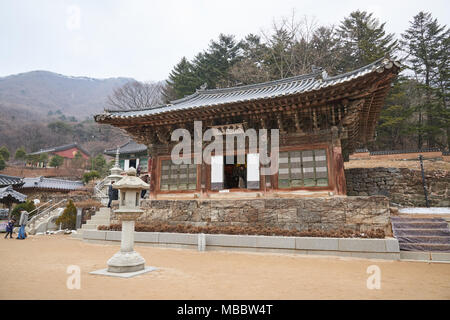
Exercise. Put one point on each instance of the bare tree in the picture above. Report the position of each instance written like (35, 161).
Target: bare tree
(136, 95)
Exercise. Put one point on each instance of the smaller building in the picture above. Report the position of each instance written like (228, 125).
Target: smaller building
(131, 154)
(44, 188)
(68, 152)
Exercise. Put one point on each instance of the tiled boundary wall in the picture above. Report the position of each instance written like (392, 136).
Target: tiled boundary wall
(326, 213)
(402, 186)
(387, 249)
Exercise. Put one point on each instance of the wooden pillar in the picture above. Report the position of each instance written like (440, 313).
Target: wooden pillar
(338, 164)
(203, 177)
(152, 162)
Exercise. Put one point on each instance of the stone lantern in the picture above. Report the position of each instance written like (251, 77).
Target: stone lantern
(128, 260)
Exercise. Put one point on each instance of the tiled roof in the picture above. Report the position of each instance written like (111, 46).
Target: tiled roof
(50, 183)
(10, 180)
(60, 148)
(9, 192)
(129, 147)
(267, 90)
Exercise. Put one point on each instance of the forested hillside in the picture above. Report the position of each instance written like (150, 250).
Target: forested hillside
(416, 113)
(40, 109)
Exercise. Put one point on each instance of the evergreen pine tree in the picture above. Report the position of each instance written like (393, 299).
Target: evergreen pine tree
(362, 40)
(426, 43)
(182, 81)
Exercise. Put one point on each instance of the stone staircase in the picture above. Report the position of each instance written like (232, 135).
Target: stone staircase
(44, 222)
(421, 233)
(100, 218)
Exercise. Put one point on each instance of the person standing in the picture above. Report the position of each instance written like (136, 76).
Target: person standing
(113, 194)
(138, 171)
(9, 229)
(23, 222)
(110, 194)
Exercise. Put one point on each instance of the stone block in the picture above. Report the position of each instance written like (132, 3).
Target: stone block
(230, 240)
(113, 235)
(275, 242)
(287, 215)
(440, 256)
(179, 238)
(152, 237)
(392, 245)
(315, 243)
(363, 245)
(94, 235)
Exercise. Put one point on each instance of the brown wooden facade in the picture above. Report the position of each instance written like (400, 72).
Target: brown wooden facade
(336, 119)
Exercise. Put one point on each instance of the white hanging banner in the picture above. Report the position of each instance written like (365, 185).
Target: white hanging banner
(253, 171)
(137, 163)
(216, 172)
(126, 164)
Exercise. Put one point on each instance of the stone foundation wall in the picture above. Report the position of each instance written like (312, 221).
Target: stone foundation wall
(333, 213)
(402, 186)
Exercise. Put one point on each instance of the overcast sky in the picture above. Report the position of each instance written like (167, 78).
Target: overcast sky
(145, 39)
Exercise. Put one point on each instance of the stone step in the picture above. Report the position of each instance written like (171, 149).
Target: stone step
(425, 239)
(98, 222)
(89, 227)
(421, 232)
(435, 210)
(424, 247)
(103, 215)
(99, 215)
(416, 220)
(105, 210)
(420, 225)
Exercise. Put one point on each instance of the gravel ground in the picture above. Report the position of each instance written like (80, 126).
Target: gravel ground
(36, 268)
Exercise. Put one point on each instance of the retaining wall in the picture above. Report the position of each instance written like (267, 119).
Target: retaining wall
(327, 213)
(402, 186)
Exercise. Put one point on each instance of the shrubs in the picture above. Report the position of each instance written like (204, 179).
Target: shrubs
(4, 152)
(2, 163)
(27, 206)
(256, 230)
(91, 175)
(56, 161)
(68, 218)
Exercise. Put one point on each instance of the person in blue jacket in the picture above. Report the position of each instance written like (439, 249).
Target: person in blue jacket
(9, 229)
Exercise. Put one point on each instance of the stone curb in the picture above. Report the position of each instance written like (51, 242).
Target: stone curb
(347, 247)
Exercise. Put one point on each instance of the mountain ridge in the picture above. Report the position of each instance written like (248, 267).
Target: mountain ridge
(34, 94)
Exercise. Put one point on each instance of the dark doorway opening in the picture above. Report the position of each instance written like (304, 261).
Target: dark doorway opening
(133, 163)
(235, 175)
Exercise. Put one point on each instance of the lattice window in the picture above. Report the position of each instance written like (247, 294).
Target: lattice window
(307, 168)
(178, 176)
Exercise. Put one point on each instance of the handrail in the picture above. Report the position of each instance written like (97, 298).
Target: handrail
(32, 220)
(43, 205)
(100, 186)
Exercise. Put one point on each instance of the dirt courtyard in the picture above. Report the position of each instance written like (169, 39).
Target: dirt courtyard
(36, 268)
